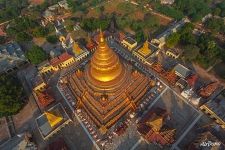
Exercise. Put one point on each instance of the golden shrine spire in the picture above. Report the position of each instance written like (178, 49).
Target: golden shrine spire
(105, 65)
(101, 37)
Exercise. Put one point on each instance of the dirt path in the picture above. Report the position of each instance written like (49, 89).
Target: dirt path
(207, 76)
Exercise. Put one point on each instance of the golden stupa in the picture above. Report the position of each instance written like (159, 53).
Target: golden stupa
(106, 91)
(145, 50)
(53, 120)
(105, 65)
(76, 49)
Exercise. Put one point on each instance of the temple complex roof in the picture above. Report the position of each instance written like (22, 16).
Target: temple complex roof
(52, 120)
(44, 99)
(154, 128)
(61, 58)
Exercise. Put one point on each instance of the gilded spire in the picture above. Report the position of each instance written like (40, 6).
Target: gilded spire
(105, 64)
(101, 36)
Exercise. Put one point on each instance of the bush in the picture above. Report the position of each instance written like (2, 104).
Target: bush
(172, 40)
(170, 11)
(52, 39)
(23, 37)
(40, 32)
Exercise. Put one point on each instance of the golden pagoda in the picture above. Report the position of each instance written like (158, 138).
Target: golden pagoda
(76, 49)
(156, 124)
(53, 120)
(105, 65)
(101, 90)
(145, 50)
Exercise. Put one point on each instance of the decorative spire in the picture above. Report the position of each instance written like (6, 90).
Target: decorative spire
(101, 36)
(105, 64)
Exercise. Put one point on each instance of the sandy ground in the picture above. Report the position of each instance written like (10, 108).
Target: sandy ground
(4, 134)
(21, 120)
(36, 2)
(208, 76)
(39, 41)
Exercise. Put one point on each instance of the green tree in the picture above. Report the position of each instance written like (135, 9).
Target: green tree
(40, 32)
(221, 6)
(172, 40)
(126, 7)
(187, 28)
(52, 39)
(140, 37)
(23, 37)
(191, 52)
(91, 24)
(36, 55)
(123, 21)
(11, 9)
(216, 11)
(170, 11)
(216, 25)
(188, 38)
(150, 21)
(11, 93)
(192, 8)
(69, 24)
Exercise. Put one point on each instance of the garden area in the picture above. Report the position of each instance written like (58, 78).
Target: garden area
(200, 49)
(11, 93)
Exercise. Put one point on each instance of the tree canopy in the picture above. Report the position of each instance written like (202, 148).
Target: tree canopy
(10, 95)
(140, 37)
(10, 9)
(91, 24)
(23, 37)
(191, 52)
(52, 39)
(172, 40)
(126, 7)
(36, 55)
(21, 29)
(40, 32)
(215, 24)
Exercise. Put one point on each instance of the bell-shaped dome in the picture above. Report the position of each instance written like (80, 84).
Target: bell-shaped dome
(105, 65)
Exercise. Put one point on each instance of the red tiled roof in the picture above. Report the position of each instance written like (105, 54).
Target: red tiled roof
(2, 33)
(122, 36)
(91, 45)
(163, 138)
(192, 80)
(44, 99)
(156, 138)
(58, 60)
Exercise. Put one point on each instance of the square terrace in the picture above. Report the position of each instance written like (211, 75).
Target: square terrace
(181, 114)
(48, 126)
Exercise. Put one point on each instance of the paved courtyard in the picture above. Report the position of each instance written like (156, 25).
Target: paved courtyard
(181, 114)
(73, 134)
